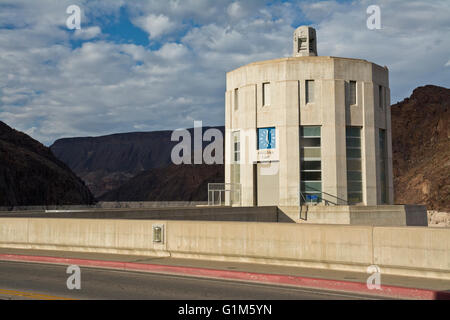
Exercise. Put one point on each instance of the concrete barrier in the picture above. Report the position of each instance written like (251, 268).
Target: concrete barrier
(148, 204)
(416, 251)
(256, 214)
(381, 215)
(108, 205)
(413, 248)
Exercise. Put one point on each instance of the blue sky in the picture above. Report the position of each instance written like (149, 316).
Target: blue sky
(161, 64)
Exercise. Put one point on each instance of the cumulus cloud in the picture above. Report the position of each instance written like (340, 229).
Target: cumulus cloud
(88, 33)
(318, 11)
(52, 88)
(235, 10)
(172, 51)
(410, 41)
(156, 25)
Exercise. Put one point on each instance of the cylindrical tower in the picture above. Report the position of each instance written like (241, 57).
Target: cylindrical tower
(309, 129)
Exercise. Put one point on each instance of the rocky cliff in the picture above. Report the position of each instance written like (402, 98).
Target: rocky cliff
(172, 183)
(31, 175)
(107, 162)
(421, 148)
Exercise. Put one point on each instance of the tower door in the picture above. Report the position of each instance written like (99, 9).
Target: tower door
(267, 183)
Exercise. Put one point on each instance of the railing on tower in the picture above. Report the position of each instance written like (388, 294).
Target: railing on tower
(325, 198)
(220, 194)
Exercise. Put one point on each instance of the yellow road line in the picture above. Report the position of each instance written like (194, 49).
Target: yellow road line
(32, 295)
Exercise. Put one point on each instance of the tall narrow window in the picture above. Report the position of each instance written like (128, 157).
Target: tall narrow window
(309, 91)
(235, 167)
(382, 160)
(380, 97)
(310, 164)
(385, 98)
(352, 92)
(236, 147)
(236, 99)
(266, 94)
(354, 176)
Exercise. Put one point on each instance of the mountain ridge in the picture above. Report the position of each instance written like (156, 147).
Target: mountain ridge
(106, 162)
(31, 175)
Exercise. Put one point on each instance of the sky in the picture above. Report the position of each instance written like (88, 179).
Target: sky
(161, 64)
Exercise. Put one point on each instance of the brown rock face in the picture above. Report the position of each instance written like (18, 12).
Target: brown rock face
(105, 163)
(173, 183)
(30, 175)
(421, 148)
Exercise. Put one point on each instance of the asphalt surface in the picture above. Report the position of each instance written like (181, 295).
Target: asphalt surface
(19, 280)
(387, 280)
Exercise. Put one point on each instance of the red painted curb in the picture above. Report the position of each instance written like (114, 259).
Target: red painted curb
(336, 285)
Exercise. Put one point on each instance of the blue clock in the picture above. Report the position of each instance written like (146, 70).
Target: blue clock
(266, 138)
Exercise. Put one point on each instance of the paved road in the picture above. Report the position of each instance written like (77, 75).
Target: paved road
(20, 280)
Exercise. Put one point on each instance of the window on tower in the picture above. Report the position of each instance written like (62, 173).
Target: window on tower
(383, 164)
(354, 165)
(352, 92)
(310, 164)
(236, 147)
(380, 97)
(266, 94)
(309, 91)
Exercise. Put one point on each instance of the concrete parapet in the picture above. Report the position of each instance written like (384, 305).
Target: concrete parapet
(109, 205)
(411, 251)
(382, 215)
(412, 248)
(256, 214)
(386, 215)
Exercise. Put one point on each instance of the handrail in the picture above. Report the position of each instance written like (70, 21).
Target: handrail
(328, 194)
(337, 198)
(233, 189)
(301, 208)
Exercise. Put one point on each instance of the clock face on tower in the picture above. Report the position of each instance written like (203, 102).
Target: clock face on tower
(266, 138)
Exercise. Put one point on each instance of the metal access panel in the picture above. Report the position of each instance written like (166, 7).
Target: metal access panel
(268, 177)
